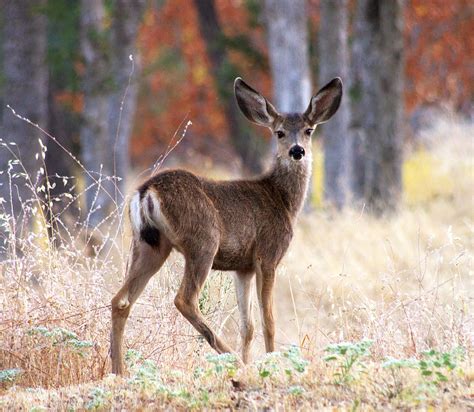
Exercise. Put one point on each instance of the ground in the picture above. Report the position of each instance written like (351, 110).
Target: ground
(372, 313)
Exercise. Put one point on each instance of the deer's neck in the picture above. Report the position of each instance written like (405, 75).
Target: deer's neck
(290, 180)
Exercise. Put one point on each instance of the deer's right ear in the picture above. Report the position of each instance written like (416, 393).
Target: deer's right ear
(253, 105)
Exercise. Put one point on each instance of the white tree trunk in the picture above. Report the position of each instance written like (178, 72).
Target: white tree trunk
(126, 19)
(25, 89)
(334, 61)
(288, 42)
(97, 155)
(107, 125)
(287, 32)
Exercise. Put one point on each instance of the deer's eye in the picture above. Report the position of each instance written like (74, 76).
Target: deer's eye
(308, 132)
(280, 134)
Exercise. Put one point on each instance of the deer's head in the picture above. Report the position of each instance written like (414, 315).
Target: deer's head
(293, 131)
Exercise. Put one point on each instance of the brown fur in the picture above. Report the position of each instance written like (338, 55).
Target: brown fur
(244, 226)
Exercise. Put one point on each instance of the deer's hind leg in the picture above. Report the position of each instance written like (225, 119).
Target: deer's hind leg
(197, 268)
(145, 262)
(243, 282)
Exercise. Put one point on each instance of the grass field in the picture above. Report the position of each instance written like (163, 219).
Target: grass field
(372, 314)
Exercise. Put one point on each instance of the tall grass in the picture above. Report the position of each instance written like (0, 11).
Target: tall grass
(404, 282)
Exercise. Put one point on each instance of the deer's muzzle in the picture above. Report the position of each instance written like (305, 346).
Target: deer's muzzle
(296, 152)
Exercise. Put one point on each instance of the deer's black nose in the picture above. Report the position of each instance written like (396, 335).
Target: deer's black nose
(296, 152)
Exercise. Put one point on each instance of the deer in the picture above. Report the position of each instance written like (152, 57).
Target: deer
(244, 226)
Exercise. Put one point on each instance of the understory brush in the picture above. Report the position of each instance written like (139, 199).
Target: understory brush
(370, 312)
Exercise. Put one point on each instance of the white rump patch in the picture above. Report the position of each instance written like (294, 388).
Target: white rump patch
(151, 210)
(147, 211)
(135, 215)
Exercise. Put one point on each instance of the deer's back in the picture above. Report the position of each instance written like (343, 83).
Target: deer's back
(245, 218)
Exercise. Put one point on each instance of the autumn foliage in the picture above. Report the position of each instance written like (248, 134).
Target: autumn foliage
(440, 51)
(176, 83)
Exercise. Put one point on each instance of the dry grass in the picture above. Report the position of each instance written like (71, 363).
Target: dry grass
(404, 282)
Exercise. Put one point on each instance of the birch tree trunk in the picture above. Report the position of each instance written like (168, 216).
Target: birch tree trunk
(377, 107)
(107, 124)
(334, 61)
(288, 42)
(25, 89)
(126, 18)
(287, 34)
(96, 84)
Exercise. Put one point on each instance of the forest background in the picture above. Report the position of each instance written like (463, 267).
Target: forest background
(374, 298)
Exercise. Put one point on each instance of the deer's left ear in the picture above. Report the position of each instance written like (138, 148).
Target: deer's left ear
(325, 103)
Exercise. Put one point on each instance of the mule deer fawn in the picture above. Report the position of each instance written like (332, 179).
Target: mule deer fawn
(244, 225)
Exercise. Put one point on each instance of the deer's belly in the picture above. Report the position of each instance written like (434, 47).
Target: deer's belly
(239, 257)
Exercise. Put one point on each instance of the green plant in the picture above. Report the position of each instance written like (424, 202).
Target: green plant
(133, 358)
(145, 371)
(98, 398)
(296, 390)
(224, 363)
(393, 363)
(289, 360)
(297, 362)
(396, 386)
(10, 375)
(435, 366)
(61, 336)
(269, 365)
(348, 359)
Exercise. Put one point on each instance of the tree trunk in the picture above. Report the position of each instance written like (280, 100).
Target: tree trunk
(362, 98)
(126, 18)
(287, 34)
(334, 61)
(107, 124)
(59, 165)
(377, 90)
(287, 37)
(250, 149)
(25, 89)
(96, 84)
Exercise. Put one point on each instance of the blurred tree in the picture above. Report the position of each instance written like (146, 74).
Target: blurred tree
(251, 149)
(439, 54)
(334, 61)
(288, 47)
(126, 18)
(107, 120)
(25, 89)
(63, 119)
(377, 103)
(97, 153)
(288, 42)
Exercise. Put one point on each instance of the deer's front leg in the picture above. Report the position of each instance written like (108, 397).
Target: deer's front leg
(244, 301)
(265, 282)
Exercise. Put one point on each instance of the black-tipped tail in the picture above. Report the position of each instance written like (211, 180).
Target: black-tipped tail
(150, 235)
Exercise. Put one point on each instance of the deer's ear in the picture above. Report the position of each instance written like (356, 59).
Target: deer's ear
(253, 105)
(325, 103)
